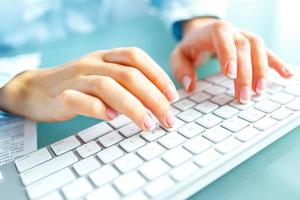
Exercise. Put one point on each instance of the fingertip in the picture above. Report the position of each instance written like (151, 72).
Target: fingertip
(186, 82)
(232, 69)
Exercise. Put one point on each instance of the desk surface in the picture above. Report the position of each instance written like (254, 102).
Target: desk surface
(273, 173)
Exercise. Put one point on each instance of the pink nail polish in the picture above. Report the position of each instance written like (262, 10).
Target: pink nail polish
(149, 124)
(170, 119)
(261, 85)
(171, 93)
(232, 69)
(186, 82)
(245, 94)
(111, 114)
(288, 71)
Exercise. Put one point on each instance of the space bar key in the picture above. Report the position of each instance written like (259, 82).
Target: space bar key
(48, 168)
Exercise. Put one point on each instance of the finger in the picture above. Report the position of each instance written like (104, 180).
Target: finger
(243, 81)
(78, 103)
(278, 65)
(136, 57)
(259, 60)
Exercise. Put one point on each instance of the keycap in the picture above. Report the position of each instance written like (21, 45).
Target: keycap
(94, 132)
(273, 87)
(200, 97)
(110, 139)
(119, 121)
(103, 175)
(247, 134)
(294, 105)
(129, 130)
(217, 134)
(182, 94)
(209, 121)
(174, 110)
(281, 98)
(206, 158)
(227, 83)
(139, 195)
(171, 140)
(50, 183)
(265, 123)
(110, 154)
(197, 145)
(281, 114)
(184, 171)
(228, 145)
(216, 78)
(158, 186)
(184, 104)
(132, 143)
(191, 130)
(177, 125)
(206, 107)
(215, 90)
(88, 149)
(86, 165)
(65, 145)
(77, 188)
(230, 92)
(240, 106)
(189, 115)
(48, 167)
(153, 169)
(153, 135)
(226, 112)
(106, 192)
(293, 90)
(221, 99)
(176, 156)
(251, 115)
(260, 97)
(128, 162)
(32, 159)
(52, 196)
(202, 85)
(150, 151)
(129, 182)
(267, 106)
(235, 124)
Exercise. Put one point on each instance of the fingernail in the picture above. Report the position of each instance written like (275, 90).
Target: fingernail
(186, 82)
(149, 124)
(232, 69)
(288, 71)
(171, 93)
(111, 113)
(245, 95)
(261, 85)
(170, 118)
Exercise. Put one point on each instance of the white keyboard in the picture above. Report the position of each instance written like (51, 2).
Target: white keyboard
(115, 160)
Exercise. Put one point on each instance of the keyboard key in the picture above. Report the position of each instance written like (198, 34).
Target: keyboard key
(171, 140)
(139, 195)
(267, 106)
(230, 92)
(119, 121)
(215, 90)
(202, 85)
(217, 134)
(153, 169)
(191, 130)
(132, 143)
(222, 99)
(174, 110)
(32, 159)
(110, 139)
(206, 107)
(153, 135)
(77, 188)
(294, 105)
(88, 149)
(50, 183)
(94, 132)
(52, 196)
(209, 121)
(281, 98)
(184, 171)
(129, 182)
(259, 98)
(265, 123)
(200, 97)
(184, 104)
(158, 186)
(216, 78)
(227, 83)
(247, 134)
(177, 125)
(65, 145)
(207, 158)
(226, 112)
(281, 114)
(103, 175)
(189, 115)
(150, 151)
(273, 87)
(251, 115)
(240, 106)
(86, 165)
(182, 94)
(129, 130)
(235, 124)
(176, 156)
(106, 192)
(293, 90)
(228, 145)
(197, 145)
(48, 168)
(128, 162)
(110, 154)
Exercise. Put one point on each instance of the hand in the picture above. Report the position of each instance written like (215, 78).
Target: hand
(101, 85)
(241, 54)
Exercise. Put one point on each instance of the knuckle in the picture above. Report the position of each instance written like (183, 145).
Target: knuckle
(242, 42)
(221, 25)
(131, 74)
(97, 109)
(134, 53)
(257, 40)
(100, 83)
(67, 97)
(80, 65)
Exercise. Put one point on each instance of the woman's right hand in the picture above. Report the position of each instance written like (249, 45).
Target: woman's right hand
(100, 84)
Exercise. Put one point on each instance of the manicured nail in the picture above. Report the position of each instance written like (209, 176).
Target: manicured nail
(232, 69)
(288, 71)
(149, 124)
(171, 93)
(245, 95)
(186, 82)
(261, 85)
(170, 119)
(111, 113)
